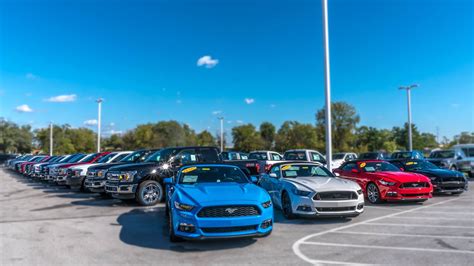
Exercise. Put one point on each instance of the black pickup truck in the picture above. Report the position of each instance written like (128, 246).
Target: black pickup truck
(96, 175)
(144, 181)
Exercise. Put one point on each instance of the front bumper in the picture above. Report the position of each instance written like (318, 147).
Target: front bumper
(95, 185)
(307, 206)
(75, 181)
(391, 193)
(121, 190)
(60, 179)
(223, 227)
(450, 186)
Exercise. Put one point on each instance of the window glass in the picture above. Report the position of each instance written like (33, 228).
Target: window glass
(442, 154)
(276, 157)
(107, 157)
(212, 174)
(297, 170)
(349, 167)
(118, 158)
(378, 167)
(295, 156)
(208, 155)
(316, 157)
(469, 152)
(276, 170)
(258, 156)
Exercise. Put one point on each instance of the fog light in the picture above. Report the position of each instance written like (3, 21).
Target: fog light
(360, 206)
(391, 194)
(266, 224)
(123, 188)
(188, 228)
(304, 208)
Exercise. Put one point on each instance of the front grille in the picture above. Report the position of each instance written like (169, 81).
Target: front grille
(109, 188)
(113, 176)
(336, 195)
(416, 195)
(415, 185)
(229, 229)
(229, 211)
(335, 209)
(453, 179)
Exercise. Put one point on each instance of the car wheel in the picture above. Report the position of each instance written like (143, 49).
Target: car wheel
(173, 237)
(286, 207)
(149, 193)
(373, 193)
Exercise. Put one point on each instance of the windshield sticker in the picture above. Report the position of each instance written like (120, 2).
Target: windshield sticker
(291, 173)
(411, 163)
(190, 178)
(206, 169)
(193, 157)
(190, 169)
(362, 165)
(305, 167)
(286, 167)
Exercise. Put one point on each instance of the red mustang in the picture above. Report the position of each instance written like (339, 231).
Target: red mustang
(381, 180)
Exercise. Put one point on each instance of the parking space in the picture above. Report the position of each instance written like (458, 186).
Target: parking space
(42, 224)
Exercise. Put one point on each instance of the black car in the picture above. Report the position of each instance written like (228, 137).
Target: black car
(374, 156)
(96, 175)
(443, 180)
(405, 155)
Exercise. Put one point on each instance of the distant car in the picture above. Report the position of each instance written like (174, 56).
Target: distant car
(459, 158)
(216, 201)
(383, 181)
(443, 180)
(65, 170)
(268, 158)
(309, 189)
(407, 155)
(304, 155)
(339, 158)
(234, 155)
(374, 156)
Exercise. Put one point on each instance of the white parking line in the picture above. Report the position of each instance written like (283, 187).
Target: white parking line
(432, 218)
(448, 212)
(296, 245)
(383, 208)
(401, 235)
(389, 247)
(422, 225)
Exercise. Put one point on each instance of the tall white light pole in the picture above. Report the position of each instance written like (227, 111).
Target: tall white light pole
(50, 138)
(327, 84)
(408, 89)
(222, 132)
(99, 102)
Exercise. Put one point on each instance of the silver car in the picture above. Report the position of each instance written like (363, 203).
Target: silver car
(459, 158)
(309, 189)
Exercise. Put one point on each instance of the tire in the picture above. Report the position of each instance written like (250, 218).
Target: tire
(173, 238)
(83, 188)
(286, 206)
(149, 193)
(373, 193)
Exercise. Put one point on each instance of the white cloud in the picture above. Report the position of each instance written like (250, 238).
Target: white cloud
(91, 122)
(249, 100)
(239, 121)
(111, 124)
(218, 112)
(31, 76)
(24, 108)
(62, 98)
(207, 61)
(113, 132)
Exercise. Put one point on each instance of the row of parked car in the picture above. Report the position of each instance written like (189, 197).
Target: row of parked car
(208, 194)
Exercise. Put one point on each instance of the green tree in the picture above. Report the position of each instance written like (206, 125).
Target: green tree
(246, 138)
(344, 121)
(66, 139)
(294, 135)
(14, 138)
(463, 138)
(205, 138)
(113, 143)
(267, 133)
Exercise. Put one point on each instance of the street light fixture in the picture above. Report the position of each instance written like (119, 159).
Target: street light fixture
(222, 132)
(408, 89)
(50, 138)
(327, 77)
(99, 110)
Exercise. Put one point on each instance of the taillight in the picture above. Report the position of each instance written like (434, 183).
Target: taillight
(257, 165)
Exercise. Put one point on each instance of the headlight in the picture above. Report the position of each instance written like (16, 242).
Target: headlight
(101, 173)
(267, 204)
(127, 176)
(183, 207)
(359, 191)
(298, 192)
(386, 183)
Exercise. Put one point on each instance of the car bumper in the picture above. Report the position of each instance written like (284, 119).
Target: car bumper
(306, 206)
(121, 190)
(452, 186)
(75, 181)
(212, 228)
(60, 180)
(411, 194)
(96, 186)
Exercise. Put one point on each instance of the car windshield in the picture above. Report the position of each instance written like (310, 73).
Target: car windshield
(338, 156)
(442, 154)
(296, 156)
(89, 157)
(106, 158)
(303, 170)
(469, 152)
(369, 155)
(211, 174)
(160, 156)
(419, 165)
(258, 156)
(378, 167)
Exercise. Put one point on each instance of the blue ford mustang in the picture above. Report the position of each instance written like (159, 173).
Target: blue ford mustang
(216, 201)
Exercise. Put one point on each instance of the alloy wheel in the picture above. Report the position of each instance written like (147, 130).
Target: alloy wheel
(372, 193)
(150, 193)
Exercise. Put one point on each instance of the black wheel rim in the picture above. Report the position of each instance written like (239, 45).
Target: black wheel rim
(372, 193)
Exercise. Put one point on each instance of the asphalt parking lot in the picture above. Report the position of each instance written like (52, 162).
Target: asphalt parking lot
(42, 224)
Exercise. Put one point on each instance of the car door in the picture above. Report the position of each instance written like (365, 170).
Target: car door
(274, 184)
(347, 171)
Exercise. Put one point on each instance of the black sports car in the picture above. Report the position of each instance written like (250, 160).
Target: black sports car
(443, 180)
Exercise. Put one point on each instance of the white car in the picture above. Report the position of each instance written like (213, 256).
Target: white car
(339, 158)
(309, 189)
(304, 155)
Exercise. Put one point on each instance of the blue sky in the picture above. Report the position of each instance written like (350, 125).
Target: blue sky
(265, 61)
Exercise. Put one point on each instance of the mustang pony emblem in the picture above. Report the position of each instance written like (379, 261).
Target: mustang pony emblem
(230, 210)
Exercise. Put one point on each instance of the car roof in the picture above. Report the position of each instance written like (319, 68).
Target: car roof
(297, 162)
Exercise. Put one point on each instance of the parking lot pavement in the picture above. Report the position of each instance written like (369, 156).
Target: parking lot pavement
(42, 224)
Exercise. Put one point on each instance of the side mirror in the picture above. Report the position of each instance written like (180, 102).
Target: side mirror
(402, 169)
(273, 175)
(355, 171)
(254, 179)
(168, 180)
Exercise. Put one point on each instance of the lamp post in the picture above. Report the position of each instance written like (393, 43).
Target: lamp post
(50, 138)
(222, 132)
(408, 89)
(327, 78)
(99, 110)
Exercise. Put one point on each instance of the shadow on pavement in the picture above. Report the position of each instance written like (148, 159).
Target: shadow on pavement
(148, 228)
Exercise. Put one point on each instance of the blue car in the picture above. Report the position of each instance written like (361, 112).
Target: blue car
(216, 201)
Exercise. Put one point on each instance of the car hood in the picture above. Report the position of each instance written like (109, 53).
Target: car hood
(439, 173)
(221, 192)
(132, 166)
(323, 183)
(106, 165)
(66, 165)
(401, 176)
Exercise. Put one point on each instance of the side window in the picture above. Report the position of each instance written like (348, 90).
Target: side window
(349, 166)
(208, 155)
(398, 165)
(315, 157)
(186, 156)
(276, 170)
(276, 157)
(118, 158)
(244, 156)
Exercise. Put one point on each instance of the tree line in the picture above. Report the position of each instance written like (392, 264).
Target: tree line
(347, 135)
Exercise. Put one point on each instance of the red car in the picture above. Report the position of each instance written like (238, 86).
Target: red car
(38, 159)
(60, 178)
(383, 181)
